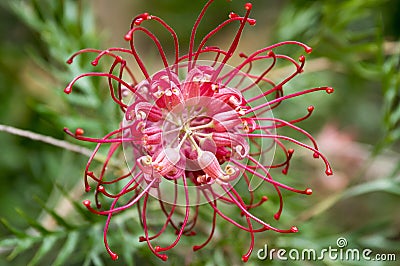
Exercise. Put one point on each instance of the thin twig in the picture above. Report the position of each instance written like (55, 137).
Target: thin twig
(46, 139)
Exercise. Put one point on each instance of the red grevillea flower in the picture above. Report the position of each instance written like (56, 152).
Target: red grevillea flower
(193, 131)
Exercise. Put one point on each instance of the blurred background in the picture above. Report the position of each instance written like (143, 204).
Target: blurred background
(356, 50)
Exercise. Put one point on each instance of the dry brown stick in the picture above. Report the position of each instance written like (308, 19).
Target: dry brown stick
(46, 139)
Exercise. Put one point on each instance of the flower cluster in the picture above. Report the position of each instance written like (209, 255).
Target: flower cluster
(194, 130)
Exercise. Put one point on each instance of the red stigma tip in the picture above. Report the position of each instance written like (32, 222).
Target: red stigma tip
(157, 248)
(87, 188)
(248, 6)
(270, 53)
(308, 191)
(68, 89)
(264, 198)
(310, 108)
(302, 58)
(69, 61)
(294, 229)
(138, 21)
(233, 15)
(114, 256)
(284, 171)
(195, 248)
(251, 21)
(141, 18)
(142, 239)
(329, 172)
(245, 258)
(163, 257)
(86, 203)
(101, 189)
(128, 37)
(308, 50)
(290, 151)
(94, 62)
(316, 155)
(277, 216)
(329, 90)
(79, 131)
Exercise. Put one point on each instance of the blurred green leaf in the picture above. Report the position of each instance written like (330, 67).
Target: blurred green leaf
(67, 249)
(13, 230)
(20, 245)
(391, 90)
(389, 185)
(47, 244)
(60, 221)
(32, 222)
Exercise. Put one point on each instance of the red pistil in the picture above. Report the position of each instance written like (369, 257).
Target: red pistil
(79, 131)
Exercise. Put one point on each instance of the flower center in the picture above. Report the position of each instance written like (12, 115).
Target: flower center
(191, 126)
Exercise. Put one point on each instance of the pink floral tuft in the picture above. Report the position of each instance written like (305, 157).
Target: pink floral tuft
(193, 131)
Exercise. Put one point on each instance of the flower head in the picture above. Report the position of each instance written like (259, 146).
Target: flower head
(194, 130)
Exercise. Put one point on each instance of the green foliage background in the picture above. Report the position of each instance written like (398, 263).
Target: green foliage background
(356, 51)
